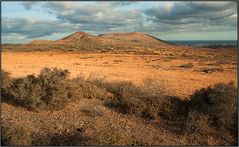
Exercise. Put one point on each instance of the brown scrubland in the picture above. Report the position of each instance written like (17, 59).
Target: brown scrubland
(118, 89)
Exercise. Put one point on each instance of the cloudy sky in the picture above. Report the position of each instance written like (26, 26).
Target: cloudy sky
(26, 21)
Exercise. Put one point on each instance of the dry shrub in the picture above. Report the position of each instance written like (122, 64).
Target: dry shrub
(198, 131)
(211, 69)
(218, 102)
(47, 91)
(197, 122)
(15, 135)
(126, 97)
(213, 115)
(6, 82)
(158, 101)
(87, 88)
(51, 90)
(188, 65)
(154, 87)
(173, 108)
(123, 90)
(26, 92)
(148, 101)
(54, 87)
(107, 136)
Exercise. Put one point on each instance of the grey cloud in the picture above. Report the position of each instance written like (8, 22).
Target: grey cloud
(116, 3)
(29, 5)
(213, 15)
(30, 28)
(192, 15)
(102, 17)
(194, 9)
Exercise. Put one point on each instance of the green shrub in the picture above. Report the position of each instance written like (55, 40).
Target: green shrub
(218, 102)
(13, 135)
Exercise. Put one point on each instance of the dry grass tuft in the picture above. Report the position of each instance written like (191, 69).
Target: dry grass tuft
(15, 135)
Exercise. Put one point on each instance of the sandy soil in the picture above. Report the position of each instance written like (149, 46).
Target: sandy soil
(89, 118)
(180, 81)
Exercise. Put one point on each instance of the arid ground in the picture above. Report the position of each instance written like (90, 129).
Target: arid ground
(165, 67)
(88, 121)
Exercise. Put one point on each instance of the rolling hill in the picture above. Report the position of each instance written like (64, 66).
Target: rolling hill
(129, 42)
(119, 39)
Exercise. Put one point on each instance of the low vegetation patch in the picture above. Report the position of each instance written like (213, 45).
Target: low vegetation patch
(211, 69)
(209, 112)
(108, 136)
(15, 135)
(198, 130)
(148, 101)
(218, 102)
(188, 65)
(6, 85)
(118, 61)
(51, 90)
(212, 112)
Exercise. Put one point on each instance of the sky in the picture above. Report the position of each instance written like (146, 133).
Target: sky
(168, 20)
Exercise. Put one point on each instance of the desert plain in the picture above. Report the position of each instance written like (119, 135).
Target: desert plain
(180, 69)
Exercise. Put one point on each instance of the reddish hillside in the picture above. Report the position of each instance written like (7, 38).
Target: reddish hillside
(41, 42)
(112, 41)
(132, 37)
(77, 37)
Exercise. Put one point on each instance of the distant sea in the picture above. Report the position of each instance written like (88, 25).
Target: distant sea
(202, 43)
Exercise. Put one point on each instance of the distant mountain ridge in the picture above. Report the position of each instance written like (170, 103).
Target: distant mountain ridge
(111, 38)
(123, 42)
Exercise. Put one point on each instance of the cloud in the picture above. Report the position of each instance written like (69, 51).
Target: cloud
(204, 16)
(29, 5)
(31, 28)
(170, 17)
(104, 17)
(99, 16)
